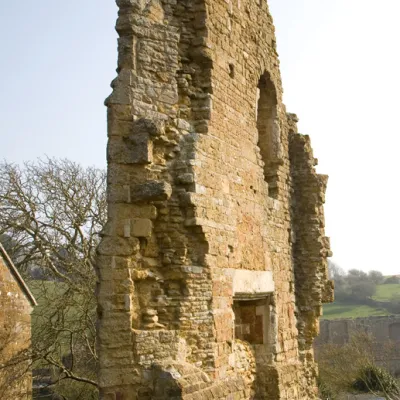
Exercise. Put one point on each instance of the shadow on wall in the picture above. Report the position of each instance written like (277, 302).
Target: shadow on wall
(269, 135)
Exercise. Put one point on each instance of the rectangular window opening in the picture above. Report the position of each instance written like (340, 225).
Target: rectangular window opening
(252, 320)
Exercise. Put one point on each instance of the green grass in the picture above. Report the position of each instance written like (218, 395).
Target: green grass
(50, 299)
(383, 293)
(387, 292)
(54, 309)
(338, 310)
(46, 294)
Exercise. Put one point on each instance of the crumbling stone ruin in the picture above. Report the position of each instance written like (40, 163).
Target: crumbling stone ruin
(384, 333)
(212, 266)
(16, 306)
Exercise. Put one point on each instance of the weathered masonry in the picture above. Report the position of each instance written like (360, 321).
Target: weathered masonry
(212, 266)
(16, 306)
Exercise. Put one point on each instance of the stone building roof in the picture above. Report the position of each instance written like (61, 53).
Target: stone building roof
(10, 265)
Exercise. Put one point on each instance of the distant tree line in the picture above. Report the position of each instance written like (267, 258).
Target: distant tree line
(358, 287)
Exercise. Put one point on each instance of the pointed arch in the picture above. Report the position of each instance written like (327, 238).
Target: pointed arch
(268, 130)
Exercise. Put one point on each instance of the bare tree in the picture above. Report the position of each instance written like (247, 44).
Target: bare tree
(335, 271)
(52, 212)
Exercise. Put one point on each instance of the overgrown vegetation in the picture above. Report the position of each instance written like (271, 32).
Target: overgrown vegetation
(373, 379)
(350, 367)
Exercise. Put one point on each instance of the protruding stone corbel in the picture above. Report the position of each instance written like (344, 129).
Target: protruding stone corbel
(151, 127)
(151, 191)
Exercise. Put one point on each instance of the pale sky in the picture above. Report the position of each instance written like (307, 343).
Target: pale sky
(341, 75)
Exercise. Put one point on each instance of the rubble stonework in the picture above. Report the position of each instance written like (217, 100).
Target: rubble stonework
(212, 266)
(16, 306)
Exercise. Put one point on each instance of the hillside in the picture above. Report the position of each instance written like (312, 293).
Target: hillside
(385, 293)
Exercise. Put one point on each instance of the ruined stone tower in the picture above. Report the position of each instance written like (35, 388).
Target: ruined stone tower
(212, 266)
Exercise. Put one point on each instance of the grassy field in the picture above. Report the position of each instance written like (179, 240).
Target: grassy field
(387, 292)
(40, 288)
(339, 310)
(342, 310)
(48, 295)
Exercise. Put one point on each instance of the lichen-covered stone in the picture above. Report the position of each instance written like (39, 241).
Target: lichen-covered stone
(208, 174)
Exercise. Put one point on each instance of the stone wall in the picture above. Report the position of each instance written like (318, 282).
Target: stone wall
(384, 330)
(213, 202)
(16, 305)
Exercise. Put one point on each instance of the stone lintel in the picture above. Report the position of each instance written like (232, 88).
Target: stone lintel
(251, 283)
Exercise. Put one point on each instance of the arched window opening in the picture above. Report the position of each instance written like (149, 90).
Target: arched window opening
(268, 132)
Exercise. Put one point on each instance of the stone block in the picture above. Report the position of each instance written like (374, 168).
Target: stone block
(151, 127)
(151, 191)
(141, 227)
(186, 179)
(121, 90)
(133, 149)
(120, 120)
(116, 246)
